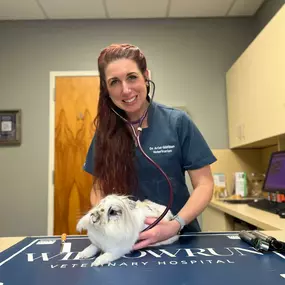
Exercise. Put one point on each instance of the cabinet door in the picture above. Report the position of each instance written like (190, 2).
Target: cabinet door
(256, 85)
(234, 105)
(267, 70)
(215, 220)
(266, 88)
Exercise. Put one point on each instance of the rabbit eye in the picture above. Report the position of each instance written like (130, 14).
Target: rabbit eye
(112, 212)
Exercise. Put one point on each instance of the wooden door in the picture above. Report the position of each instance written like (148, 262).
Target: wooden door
(76, 100)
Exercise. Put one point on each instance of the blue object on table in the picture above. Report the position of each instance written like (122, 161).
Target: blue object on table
(202, 258)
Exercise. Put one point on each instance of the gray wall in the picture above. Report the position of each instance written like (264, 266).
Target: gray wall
(188, 59)
(265, 13)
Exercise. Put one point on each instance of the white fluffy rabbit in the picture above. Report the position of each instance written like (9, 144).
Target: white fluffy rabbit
(114, 225)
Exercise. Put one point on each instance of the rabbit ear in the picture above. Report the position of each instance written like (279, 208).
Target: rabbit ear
(132, 204)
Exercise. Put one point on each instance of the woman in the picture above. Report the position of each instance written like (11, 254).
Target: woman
(168, 136)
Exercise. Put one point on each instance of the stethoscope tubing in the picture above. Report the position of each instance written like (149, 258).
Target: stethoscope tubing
(137, 138)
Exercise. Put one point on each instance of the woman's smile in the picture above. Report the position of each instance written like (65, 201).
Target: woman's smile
(131, 100)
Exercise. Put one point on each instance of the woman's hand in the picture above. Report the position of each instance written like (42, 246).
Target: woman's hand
(162, 231)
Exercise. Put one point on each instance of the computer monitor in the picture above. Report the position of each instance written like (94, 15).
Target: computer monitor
(275, 175)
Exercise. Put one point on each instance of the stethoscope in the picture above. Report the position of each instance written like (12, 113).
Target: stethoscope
(137, 139)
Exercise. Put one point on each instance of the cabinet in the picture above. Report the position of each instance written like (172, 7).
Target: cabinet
(256, 88)
(236, 106)
(214, 220)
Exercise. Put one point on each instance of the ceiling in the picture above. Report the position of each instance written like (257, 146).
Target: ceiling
(124, 9)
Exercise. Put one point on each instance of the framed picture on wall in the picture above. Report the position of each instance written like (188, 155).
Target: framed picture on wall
(10, 127)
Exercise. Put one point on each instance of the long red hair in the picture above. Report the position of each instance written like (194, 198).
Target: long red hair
(114, 147)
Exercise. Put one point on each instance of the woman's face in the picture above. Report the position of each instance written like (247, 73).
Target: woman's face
(127, 86)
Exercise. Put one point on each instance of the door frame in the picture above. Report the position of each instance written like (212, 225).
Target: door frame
(52, 79)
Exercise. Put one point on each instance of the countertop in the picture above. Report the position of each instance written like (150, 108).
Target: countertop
(259, 218)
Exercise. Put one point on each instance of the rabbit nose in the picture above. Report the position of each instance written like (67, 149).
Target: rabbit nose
(94, 217)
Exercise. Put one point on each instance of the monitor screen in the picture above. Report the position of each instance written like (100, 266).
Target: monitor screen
(275, 176)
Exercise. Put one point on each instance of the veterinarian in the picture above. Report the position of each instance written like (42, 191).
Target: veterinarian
(169, 137)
